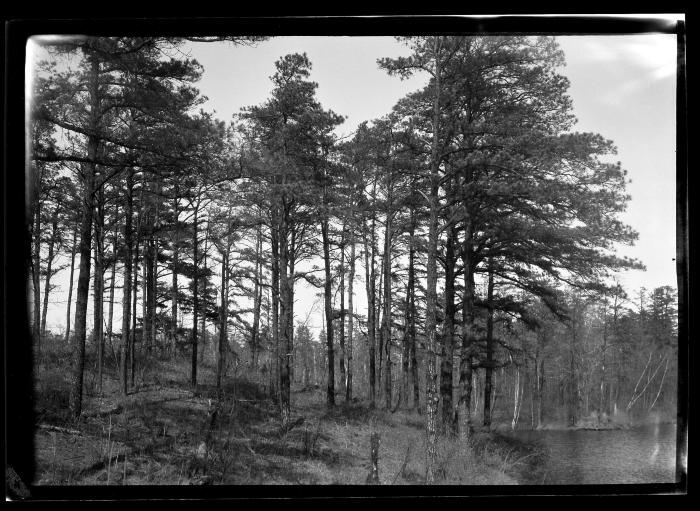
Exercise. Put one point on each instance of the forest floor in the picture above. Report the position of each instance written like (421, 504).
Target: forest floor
(162, 432)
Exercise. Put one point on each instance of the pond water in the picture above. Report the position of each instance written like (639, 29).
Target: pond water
(641, 455)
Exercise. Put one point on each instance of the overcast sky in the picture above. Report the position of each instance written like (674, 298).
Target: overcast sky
(622, 87)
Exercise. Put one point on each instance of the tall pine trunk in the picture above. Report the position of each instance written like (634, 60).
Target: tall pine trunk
(370, 279)
(223, 324)
(49, 262)
(195, 308)
(330, 391)
(341, 330)
(126, 295)
(131, 356)
(89, 170)
(176, 262)
(411, 316)
(113, 277)
(464, 406)
(285, 311)
(386, 324)
(275, 292)
(36, 269)
(70, 280)
(98, 309)
(351, 278)
(290, 299)
(257, 299)
(448, 333)
(488, 371)
(432, 397)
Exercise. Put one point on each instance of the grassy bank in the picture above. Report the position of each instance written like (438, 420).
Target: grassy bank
(163, 432)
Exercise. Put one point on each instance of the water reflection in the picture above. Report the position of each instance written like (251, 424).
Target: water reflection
(640, 455)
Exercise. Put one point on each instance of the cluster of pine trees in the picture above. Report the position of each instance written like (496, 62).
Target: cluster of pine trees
(483, 227)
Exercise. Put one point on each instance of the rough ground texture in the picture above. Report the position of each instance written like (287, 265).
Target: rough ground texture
(164, 432)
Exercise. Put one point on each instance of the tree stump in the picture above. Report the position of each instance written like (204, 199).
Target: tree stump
(373, 476)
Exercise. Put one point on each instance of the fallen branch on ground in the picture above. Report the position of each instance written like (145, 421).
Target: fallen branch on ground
(67, 431)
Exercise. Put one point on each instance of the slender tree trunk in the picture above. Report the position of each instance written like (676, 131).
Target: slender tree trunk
(330, 392)
(195, 308)
(257, 299)
(71, 279)
(379, 322)
(98, 321)
(275, 303)
(351, 278)
(176, 262)
(126, 295)
(144, 300)
(601, 405)
(89, 169)
(370, 286)
(411, 316)
(432, 396)
(341, 336)
(155, 246)
(488, 371)
(465, 370)
(205, 282)
(148, 295)
(448, 333)
(49, 263)
(135, 269)
(285, 311)
(290, 300)
(386, 324)
(112, 280)
(36, 270)
(406, 353)
(573, 380)
(223, 325)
